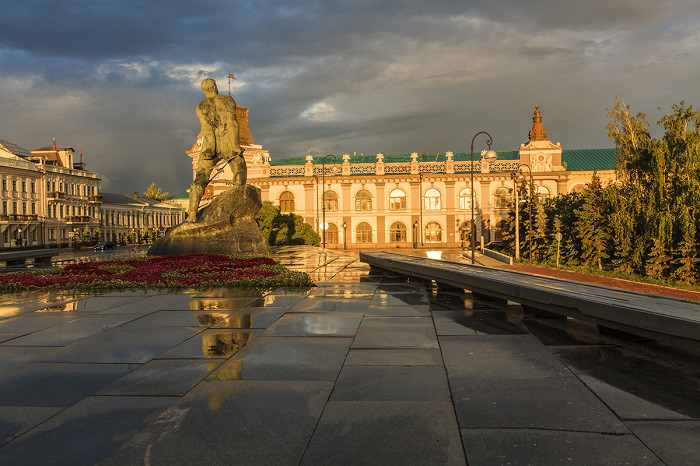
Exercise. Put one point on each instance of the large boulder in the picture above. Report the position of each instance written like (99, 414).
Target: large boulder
(226, 226)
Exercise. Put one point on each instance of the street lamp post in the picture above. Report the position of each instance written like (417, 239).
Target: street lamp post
(323, 194)
(489, 156)
(345, 235)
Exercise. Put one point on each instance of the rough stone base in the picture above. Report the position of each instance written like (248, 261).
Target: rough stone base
(226, 226)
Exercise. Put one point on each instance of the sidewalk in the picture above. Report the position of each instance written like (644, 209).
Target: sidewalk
(363, 369)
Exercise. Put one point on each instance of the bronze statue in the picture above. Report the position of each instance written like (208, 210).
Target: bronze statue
(217, 115)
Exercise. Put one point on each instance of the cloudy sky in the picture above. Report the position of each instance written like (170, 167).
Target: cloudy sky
(336, 76)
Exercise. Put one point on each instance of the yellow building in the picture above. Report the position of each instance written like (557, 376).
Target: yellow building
(416, 200)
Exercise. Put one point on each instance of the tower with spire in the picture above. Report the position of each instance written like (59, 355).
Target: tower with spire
(539, 152)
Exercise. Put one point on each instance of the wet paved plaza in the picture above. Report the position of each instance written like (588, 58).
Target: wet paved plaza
(365, 368)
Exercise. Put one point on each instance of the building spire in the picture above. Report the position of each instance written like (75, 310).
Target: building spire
(537, 133)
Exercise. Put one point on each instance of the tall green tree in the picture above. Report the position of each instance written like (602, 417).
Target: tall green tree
(154, 192)
(592, 226)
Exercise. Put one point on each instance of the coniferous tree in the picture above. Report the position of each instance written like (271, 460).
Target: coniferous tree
(154, 192)
(686, 271)
(539, 231)
(592, 226)
(657, 264)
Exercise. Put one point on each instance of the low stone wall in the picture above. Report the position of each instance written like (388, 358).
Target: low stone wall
(498, 256)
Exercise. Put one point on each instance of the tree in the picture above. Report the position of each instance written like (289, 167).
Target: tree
(539, 231)
(658, 263)
(592, 228)
(279, 230)
(686, 262)
(154, 192)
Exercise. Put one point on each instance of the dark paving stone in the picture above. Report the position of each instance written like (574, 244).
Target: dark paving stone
(394, 357)
(499, 357)
(162, 378)
(386, 433)
(9, 356)
(179, 319)
(398, 311)
(123, 345)
(477, 323)
(221, 304)
(396, 337)
(645, 376)
(626, 405)
(285, 300)
(399, 299)
(363, 293)
(457, 301)
(9, 336)
(16, 420)
(28, 323)
(86, 433)
(69, 332)
(564, 332)
(287, 358)
(391, 383)
(396, 322)
(402, 288)
(561, 403)
(312, 304)
(224, 422)
(526, 447)
(103, 303)
(673, 442)
(251, 317)
(44, 384)
(315, 324)
(212, 343)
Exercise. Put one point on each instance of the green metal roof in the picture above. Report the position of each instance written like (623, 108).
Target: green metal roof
(589, 159)
(184, 195)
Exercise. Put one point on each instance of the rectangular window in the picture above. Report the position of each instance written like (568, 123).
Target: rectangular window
(34, 235)
(14, 208)
(48, 185)
(33, 208)
(24, 186)
(61, 212)
(24, 207)
(33, 187)
(4, 184)
(7, 235)
(4, 207)
(14, 185)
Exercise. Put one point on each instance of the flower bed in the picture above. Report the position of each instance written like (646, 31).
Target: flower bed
(194, 271)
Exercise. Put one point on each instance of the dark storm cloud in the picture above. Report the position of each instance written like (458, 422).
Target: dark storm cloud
(332, 76)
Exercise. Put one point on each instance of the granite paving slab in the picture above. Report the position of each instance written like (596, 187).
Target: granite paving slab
(103, 303)
(487, 447)
(212, 343)
(391, 383)
(287, 358)
(396, 322)
(398, 311)
(123, 345)
(9, 356)
(56, 384)
(69, 332)
(386, 433)
(399, 299)
(319, 304)
(222, 304)
(224, 422)
(165, 377)
(395, 337)
(251, 317)
(16, 420)
(477, 323)
(315, 324)
(179, 319)
(675, 442)
(499, 357)
(557, 403)
(394, 357)
(85, 433)
(33, 322)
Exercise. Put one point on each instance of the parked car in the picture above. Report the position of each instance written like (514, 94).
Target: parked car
(104, 245)
(496, 245)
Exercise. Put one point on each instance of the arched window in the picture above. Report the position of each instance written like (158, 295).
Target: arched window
(363, 200)
(397, 200)
(397, 233)
(465, 199)
(579, 188)
(432, 199)
(465, 233)
(363, 233)
(332, 234)
(433, 233)
(542, 193)
(502, 198)
(330, 201)
(286, 202)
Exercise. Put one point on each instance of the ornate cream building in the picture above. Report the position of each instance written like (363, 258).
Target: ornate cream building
(47, 198)
(414, 200)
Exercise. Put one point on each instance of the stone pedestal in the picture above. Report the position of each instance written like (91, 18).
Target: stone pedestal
(226, 226)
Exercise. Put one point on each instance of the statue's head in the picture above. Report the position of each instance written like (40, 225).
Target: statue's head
(209, 87)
